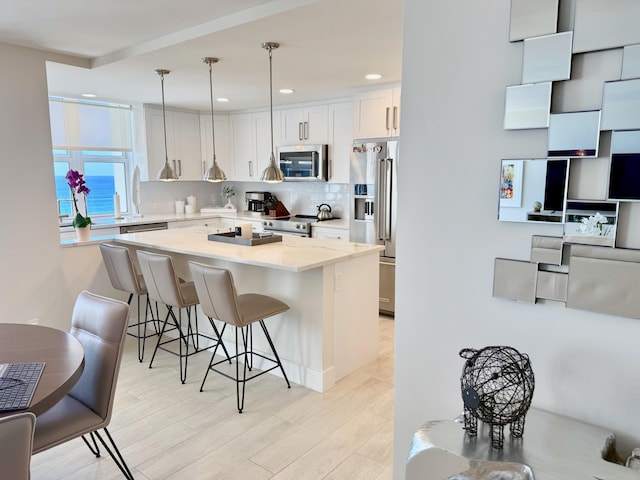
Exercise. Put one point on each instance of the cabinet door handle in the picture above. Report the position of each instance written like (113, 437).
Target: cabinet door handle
(306, 130)
(250, 168)
(395, 118)
(300, 133)
(179, 168)
(387, 119)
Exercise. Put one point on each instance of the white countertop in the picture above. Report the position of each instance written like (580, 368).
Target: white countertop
(293, 253)
(109, 222)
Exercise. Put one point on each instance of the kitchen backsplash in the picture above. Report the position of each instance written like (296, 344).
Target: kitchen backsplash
(298, 197)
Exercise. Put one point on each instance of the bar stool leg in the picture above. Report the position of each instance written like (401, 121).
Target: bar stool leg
(273, 349)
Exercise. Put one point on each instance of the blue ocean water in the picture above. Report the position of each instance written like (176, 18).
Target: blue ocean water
(99, 200)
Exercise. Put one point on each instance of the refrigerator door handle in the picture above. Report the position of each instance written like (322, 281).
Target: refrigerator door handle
(387, 200)
(381, 210)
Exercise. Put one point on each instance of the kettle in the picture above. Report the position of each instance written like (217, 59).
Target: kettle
(324, 212)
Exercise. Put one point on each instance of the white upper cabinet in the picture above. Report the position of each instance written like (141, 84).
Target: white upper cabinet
(377, 113)
(251, 143)
(340, 141)
(183, 143)
(305, 125)
(223, 146)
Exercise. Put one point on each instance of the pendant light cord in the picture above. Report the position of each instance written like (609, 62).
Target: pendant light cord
(164, 121)
(213, 132)
(271, 97)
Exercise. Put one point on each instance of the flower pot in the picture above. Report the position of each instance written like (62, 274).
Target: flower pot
(83, 233)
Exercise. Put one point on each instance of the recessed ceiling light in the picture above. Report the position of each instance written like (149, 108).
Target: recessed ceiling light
(373, 76)
(287, 91)
(222, 99)
(89, 95)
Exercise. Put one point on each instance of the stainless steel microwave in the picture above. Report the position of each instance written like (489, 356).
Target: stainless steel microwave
(304, 163)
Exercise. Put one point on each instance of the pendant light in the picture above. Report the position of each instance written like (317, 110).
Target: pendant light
(166, 173)
(215, 173)
(271, 174)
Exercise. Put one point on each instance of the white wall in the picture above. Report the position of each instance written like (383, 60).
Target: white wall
(39, 280)
(456, 63)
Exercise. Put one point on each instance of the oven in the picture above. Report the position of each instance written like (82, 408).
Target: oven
(296, 226)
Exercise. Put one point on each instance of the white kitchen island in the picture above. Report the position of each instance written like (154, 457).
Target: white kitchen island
(331, 286)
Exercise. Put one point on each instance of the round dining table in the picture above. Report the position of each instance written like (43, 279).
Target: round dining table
(61, 352)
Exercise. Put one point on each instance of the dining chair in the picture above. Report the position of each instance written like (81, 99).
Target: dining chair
(164, 286)
(16, 445)
(219, 300)
(100, 324)
(124, 277)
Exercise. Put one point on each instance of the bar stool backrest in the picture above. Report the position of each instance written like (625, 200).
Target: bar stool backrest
(216, 293)
(160, 276)
(119, 265)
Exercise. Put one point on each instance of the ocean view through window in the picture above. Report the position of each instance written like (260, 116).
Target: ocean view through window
(104, 178)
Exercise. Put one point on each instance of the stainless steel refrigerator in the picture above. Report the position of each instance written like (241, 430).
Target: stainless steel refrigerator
(373, 199)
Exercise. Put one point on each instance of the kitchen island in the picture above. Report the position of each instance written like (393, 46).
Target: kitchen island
(331, 286)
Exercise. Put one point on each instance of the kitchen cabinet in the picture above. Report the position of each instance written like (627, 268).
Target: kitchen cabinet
(183, 143)
(308, 125)
(340, 141)
(377, 113)
(223, 143)
(333, 233)
(251, 143)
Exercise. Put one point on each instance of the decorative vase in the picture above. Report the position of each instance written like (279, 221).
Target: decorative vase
(83, 233)
(229, 204)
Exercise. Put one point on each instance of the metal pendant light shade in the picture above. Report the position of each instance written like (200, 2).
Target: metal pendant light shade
(215, 173)
(271, 174)
(166, 173)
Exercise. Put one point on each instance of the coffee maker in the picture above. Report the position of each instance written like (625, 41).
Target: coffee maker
(257, 202)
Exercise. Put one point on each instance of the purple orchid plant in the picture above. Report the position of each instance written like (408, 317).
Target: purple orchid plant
(78, 186)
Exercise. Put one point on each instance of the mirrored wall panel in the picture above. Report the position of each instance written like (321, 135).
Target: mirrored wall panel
(591, 222)
(575, 134)
(630, 62)
(603, 24)
(621, 105)
(624, 166)
(533, 190)
(527, 106)
(547, 58)
(532, 18)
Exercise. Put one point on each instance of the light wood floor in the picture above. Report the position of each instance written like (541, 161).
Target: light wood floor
(166, 430)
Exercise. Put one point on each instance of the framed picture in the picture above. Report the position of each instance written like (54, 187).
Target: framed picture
(511, 183)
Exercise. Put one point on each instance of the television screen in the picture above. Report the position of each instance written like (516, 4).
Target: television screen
(555, 184)
(624, 176)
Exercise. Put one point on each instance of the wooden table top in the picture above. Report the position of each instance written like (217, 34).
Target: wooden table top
(62, 353)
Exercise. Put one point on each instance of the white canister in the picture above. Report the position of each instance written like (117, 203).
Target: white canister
(189, 208)
(179, 206)
(191, 200)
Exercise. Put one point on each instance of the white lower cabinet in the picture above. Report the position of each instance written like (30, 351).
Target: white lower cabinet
(333, 233)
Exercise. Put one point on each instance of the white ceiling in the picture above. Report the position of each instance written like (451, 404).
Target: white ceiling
(326, 47)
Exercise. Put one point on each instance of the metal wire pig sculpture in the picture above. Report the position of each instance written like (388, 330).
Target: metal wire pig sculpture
(497, 387)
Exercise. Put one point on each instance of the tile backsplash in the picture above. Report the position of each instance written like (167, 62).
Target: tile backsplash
(298, 197)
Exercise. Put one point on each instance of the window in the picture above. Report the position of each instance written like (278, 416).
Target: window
(94, 139)
(105, 174)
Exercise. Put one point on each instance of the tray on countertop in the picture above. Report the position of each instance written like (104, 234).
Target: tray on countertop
(257, 239)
